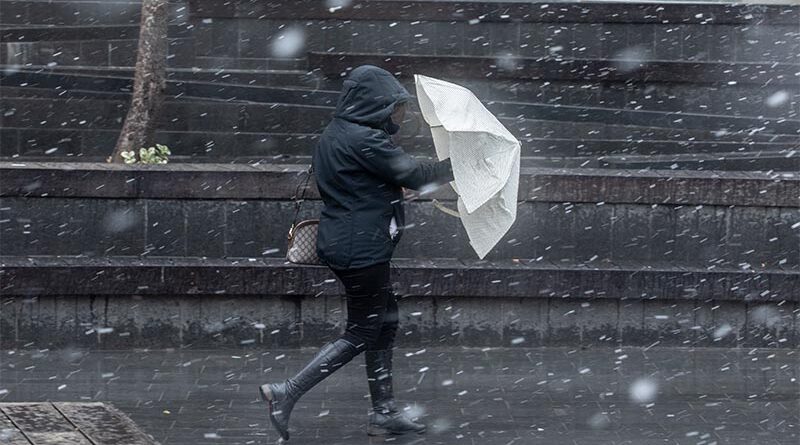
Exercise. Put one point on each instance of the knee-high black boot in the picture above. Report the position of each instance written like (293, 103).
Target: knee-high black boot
(281, 397)
(385, 417)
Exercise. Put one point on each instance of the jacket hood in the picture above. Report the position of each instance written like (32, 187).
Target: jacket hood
(368, 97)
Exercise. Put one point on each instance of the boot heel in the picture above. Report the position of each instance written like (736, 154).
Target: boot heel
(265, 393)
(375, 431)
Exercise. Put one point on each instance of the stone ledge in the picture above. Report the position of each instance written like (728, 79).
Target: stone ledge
(312, 108)
(43, 276)
(477, 67)
(81, 33)
(540, 11)
(106, 87)
(281, 181)
(118, 85)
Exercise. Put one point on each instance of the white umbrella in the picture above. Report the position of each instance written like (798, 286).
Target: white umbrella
(484, 154)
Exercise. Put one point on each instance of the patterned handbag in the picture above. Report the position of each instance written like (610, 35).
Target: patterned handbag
(302, 239)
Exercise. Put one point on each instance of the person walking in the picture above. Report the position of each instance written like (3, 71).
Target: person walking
(360, 174)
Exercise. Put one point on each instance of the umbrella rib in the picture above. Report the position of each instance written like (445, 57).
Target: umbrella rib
(446, 210)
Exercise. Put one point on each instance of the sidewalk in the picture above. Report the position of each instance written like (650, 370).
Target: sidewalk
(467, 396)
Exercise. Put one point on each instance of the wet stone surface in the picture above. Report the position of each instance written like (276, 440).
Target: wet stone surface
(471, 396)
(67, 423)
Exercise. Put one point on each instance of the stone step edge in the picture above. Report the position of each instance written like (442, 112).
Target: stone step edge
(279, 181)
(80, 33)
(303, 158)
(333, 65)
(685, 12)
(68, 69)
(34, 276)
(504, 110)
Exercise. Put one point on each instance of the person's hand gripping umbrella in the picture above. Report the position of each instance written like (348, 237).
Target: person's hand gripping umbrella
(484, 154)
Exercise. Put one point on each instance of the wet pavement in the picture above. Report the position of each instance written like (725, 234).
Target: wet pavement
(466, 396)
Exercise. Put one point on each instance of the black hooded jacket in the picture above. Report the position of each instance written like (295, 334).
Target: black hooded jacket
(359, 172)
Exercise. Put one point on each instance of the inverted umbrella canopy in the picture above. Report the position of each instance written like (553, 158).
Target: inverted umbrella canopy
(484, 154)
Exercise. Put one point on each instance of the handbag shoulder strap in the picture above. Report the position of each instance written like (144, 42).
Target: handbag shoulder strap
(299, 202)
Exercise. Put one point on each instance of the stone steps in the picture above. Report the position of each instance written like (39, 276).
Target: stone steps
(725, 161)
(73, 13)
(118, 302)
(48, 124)
(663, 79)
(723, 100)
(21, 33)
(684, 31)
(554, 68)
(73, 145)
(596, 256)
(28, 144)
(520, 278)
(787, 160)
(529, 120)
(542, 107)
(585, 216)
(312, 97)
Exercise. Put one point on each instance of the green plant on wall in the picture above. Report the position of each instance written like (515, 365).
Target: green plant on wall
(153, 155)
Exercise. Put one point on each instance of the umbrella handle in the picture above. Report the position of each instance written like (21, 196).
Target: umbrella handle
(444, 209)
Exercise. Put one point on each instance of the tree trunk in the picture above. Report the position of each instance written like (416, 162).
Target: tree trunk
(149, 80)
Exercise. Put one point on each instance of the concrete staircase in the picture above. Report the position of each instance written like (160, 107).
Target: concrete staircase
(622, 246)
(193, 255)
(677, 86)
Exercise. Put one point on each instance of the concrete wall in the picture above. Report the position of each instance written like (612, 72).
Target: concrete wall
(198, 321)
(701, 235)
(121, 303)
(119, 256)
(745, 221)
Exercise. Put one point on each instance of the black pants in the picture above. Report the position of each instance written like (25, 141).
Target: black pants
(371, 307)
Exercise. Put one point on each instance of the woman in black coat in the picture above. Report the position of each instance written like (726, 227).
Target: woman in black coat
(360, 174)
